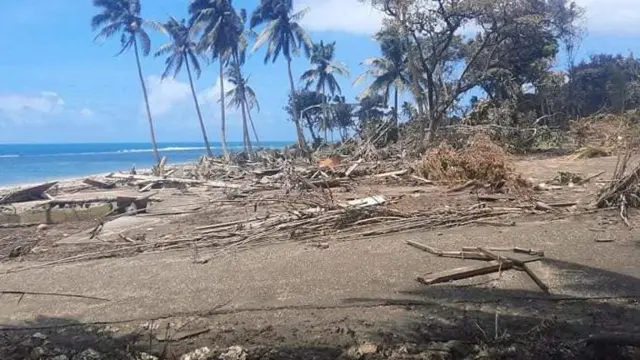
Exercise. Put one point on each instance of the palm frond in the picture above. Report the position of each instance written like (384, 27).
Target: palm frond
(165, 49)
(100, 19)
(145, 41)
(170, 65)
(109, 30)
(195, 62)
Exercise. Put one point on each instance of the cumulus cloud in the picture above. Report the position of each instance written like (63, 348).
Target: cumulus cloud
(608, 17)
(611, 17)
(350, 16)
(169, 94)
(17, 106)
(165, 94)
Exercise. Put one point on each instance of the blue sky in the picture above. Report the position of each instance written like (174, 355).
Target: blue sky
(57, 85)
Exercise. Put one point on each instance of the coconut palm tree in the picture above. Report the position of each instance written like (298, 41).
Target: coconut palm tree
(242, 96)
(222, 27)
(181, 50)
(388, 71)
(282, 34)
(122, 17)
(323, 74)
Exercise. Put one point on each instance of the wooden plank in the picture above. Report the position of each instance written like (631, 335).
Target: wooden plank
(27, 194)
(423, 247)
(466, 255)
(465, 272)
(528, 251)
(535, 278)
(99, 184)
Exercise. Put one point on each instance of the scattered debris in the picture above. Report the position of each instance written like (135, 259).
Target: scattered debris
(99, 184)
(496, 263)
(624, 189)
(27, 194)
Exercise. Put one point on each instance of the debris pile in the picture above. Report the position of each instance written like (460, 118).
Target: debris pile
(624, 189)
(482, 161)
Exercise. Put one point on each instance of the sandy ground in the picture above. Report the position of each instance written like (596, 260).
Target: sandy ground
(321, 301)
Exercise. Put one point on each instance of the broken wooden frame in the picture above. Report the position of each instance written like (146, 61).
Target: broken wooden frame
(496, 263)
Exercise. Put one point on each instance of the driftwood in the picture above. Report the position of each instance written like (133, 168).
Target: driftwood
(421, 179)
(468, 184)
(27, 194)
(465, 272)
(392, 173)
(520, 264)
(17, 225)
(99, 184)
(143, 180)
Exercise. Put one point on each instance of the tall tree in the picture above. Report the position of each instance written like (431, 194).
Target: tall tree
(388, 71)
(181, 50)
(242, 96)
(123, 17)
(323, 74)
(283, 34)
(221, 28)
(450, 63)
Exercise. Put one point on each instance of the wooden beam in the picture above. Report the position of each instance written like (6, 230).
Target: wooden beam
(465, 272)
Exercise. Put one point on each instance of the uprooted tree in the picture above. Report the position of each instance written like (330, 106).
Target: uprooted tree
(454, 46)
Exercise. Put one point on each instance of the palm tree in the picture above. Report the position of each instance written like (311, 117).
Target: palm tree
(388, 71)
(323, 73)
(222, 28)
(182, 51)
(283, 34)
(123, 17)
(244, 97)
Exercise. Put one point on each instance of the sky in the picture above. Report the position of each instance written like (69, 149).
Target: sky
(59, 86)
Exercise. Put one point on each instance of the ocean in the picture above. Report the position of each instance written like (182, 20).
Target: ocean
(32, 163)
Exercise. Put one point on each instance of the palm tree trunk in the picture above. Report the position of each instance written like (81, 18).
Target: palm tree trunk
(395, 115)
(324, 113)
(223, 120)
(253, 127)
(245, 132)
(296, 116)
(195, 101)
(146, 101)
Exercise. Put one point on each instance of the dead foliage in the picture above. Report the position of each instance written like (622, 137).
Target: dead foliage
(482, 160)
(589, 152)
(624, 189)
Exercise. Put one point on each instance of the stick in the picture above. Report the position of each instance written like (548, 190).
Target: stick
(464, 186)
(13, 292)
(396, 173)
(426, 248)
(528, 251)
(352, 168)
(465, 272)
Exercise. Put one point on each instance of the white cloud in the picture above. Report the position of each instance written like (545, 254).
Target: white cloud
(18, 106)
(609, 17)
(612, 16)
(351, 16)
(169, 94)
(87, 113)
(165, 94)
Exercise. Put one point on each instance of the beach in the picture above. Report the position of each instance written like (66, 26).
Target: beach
(298, 255)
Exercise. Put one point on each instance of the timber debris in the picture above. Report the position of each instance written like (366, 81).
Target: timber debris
(497, 260)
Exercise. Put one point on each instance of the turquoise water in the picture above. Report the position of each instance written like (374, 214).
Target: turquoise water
(32, 163)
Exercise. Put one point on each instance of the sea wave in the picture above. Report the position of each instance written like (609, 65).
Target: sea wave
(171, 148)
(9, 156)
